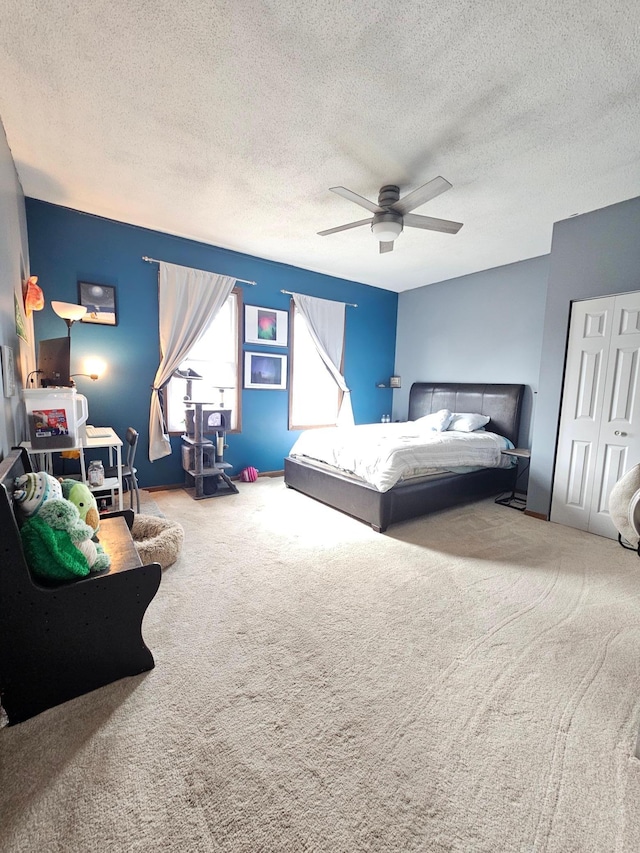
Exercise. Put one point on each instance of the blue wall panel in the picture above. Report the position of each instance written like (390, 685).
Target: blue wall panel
(67, 246)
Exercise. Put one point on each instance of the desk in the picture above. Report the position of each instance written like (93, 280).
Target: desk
(110, 440)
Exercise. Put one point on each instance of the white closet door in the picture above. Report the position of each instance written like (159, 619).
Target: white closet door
(582, 403)
(619, 441)
(599, 438)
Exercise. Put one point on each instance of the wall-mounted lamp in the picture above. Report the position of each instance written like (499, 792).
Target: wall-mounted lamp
(93, 367)
(93, 376)
(69, 313)
(394, 382)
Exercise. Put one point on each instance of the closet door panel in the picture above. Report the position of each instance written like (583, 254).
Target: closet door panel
(582, 405)
(619, 444)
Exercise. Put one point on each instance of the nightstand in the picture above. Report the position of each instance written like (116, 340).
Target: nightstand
(513, 500)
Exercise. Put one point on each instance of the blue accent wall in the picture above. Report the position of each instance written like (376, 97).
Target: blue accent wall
(67, 246)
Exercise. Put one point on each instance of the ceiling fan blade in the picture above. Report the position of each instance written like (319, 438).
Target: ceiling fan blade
(345, 227)
(386, 246)
(358, 199)
(431, 224)
(421, 195)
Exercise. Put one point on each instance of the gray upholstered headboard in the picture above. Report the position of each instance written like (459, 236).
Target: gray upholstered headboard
(501, 402)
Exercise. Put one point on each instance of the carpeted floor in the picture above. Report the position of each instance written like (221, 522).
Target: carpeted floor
(469, 681)
(148, 503)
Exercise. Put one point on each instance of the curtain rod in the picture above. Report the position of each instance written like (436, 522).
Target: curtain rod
(156, 261)
(348, 304)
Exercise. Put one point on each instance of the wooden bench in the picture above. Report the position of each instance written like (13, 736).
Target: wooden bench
(60, 641)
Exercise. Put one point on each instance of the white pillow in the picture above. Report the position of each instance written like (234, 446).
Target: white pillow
(467, 421)
(437, 421)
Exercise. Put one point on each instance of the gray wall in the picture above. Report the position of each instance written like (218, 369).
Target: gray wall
(14, 266)
(592, 255)
(485, 327)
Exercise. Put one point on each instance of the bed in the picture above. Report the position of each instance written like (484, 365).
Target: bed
(414, 497)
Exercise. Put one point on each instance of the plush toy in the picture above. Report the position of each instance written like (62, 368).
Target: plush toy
(33, 295)
(58, 544)
(31, 491)
(249, 475)
(81, 495)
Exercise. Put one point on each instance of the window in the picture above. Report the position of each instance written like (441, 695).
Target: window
(215, 357)
(314, 397)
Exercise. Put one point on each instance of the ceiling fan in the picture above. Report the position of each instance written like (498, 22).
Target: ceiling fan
(392, 213)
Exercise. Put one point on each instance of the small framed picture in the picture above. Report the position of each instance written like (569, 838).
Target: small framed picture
(265, 370)
(265, 326)
(8, 372)
(100, 302)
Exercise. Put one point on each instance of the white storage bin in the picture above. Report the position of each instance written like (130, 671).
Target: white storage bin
(54, 416)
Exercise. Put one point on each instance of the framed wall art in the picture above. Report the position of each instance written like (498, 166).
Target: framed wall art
(265, 370)
(265, 326)
(8, 372)
(100, 302)
(21, 326)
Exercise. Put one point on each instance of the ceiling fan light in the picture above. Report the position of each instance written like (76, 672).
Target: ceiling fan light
(386, 232)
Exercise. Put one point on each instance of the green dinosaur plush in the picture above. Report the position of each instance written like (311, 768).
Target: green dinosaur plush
(58, 544)
(81, 495)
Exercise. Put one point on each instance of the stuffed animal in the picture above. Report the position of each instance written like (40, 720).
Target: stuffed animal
(58, 544)
(31, 491)
(81, 495)
(33, 295)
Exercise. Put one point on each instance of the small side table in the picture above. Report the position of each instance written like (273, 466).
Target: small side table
(513, 500)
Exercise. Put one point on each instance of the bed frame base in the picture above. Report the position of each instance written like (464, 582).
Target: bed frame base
(380, 509)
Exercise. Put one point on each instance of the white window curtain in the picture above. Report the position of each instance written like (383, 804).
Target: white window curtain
(189, 300)
(325, 321)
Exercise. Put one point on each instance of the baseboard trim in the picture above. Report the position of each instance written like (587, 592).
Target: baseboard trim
(262, 474)
(539, 515)
(182, 485)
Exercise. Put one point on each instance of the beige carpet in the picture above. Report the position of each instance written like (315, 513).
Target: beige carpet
(468, 682)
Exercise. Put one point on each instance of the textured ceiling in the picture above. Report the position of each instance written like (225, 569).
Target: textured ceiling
(227, 122)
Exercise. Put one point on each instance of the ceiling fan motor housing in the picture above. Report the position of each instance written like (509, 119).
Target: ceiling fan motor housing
(388, 195)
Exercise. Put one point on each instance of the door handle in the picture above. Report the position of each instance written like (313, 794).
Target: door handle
(617, 432)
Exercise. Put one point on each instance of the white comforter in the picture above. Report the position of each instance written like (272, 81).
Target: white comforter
(383, 454)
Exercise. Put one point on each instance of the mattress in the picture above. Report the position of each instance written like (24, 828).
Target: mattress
(382, 455)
